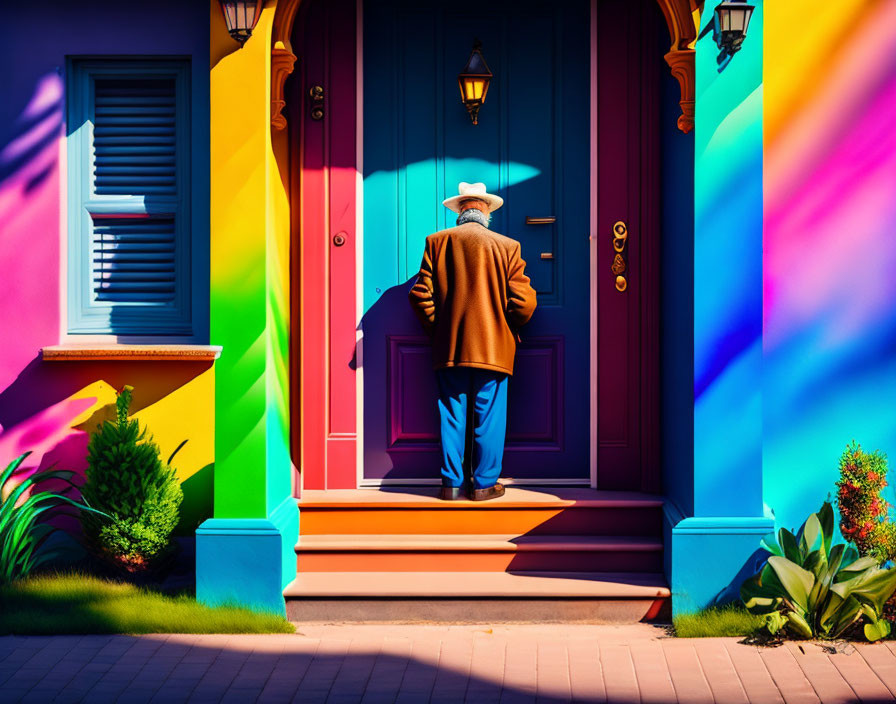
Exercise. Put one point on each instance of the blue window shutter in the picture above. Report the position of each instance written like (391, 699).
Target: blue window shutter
(129, 197)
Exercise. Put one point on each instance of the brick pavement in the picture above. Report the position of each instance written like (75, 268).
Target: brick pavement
(410, 664)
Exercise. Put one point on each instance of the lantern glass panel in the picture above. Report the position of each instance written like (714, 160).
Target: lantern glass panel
(230, 15)
(240, 15)
(723, 19)
(246, 12)
(474, 88)
(745, 19)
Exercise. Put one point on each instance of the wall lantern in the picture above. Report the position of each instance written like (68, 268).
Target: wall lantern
(730, 21)
(241, 17)
(473, 81)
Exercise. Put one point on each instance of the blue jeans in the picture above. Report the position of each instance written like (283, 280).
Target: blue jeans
(488, 392)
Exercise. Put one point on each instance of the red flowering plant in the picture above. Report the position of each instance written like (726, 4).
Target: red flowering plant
(864, 517)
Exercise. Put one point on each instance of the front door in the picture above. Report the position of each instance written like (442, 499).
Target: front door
(532, 147)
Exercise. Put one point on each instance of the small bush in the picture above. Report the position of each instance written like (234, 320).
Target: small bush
(127, 479)
(863, 509)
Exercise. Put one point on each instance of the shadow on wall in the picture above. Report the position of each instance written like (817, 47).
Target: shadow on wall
(401, 398)
(31, 117)
(751, 566)
(52, 407)
(25, 160)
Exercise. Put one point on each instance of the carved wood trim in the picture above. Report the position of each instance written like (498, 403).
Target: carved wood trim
(682, 65)
(678, 15)
(282, 57)
(282, 61)
(683, 32)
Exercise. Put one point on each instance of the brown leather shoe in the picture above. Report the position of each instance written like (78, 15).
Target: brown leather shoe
(491, 492)
(450, 493)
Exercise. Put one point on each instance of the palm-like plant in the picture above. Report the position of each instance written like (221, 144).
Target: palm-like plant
(24, 507)
(815, 589)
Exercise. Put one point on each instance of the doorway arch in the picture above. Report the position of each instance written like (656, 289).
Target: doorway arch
(682, 19)
(324, 411)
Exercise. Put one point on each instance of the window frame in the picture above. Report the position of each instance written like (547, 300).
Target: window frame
(87, 316)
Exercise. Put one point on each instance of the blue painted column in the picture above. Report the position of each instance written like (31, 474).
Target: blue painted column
(715, 548)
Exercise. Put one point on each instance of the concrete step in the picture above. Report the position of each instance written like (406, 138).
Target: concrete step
(476, 597)
(477, 553)
(530, 511)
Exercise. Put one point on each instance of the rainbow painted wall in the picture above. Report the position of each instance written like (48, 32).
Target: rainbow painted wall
(784, 286)
(794, 292)
(829, 244)
(794, 297)
(50, 407)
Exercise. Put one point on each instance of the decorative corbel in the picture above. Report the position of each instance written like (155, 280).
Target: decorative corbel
(680, 18)
(282, 59)
(681, 63)
(282, 62)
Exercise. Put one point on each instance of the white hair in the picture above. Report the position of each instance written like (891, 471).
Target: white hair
(474, 215)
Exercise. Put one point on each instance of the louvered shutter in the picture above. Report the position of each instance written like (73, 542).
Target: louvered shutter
(132, 147)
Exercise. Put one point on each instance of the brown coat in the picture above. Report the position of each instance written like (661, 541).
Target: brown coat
(472, 295)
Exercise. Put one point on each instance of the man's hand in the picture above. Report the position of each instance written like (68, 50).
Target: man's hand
(520, 294)
(421, 294)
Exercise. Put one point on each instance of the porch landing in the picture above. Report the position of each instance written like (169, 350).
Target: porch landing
(536, 554)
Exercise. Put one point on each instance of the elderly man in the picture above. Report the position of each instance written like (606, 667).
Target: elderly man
(472, 295)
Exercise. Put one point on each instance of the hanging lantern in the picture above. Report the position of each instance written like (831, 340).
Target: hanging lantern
(473, 81)
(730, 22)
(241, 17)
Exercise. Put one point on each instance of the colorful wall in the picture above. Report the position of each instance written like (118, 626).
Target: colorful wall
(249, 275)
(49, 407)
(714, 541)
(728, 277)
(829, 296)
(245, 553)
(794, 292)
(789, 328)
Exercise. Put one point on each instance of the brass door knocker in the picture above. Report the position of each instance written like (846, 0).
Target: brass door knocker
(620, 241)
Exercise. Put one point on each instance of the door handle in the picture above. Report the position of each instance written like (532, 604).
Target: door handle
(543, 220)
(316, 93)
(620, 242)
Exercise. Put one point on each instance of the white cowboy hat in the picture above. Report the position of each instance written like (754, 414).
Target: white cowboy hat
(469, 191)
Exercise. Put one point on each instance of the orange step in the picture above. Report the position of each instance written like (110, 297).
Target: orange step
(476, 597)
(521, 511)
(477, 553)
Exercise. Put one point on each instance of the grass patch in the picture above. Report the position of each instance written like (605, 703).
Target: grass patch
(76, 603)
(730, 620)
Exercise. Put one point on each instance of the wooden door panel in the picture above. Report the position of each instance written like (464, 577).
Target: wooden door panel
(627, 190)
(530, 146)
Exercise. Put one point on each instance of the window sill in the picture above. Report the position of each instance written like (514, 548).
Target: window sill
(129, 353)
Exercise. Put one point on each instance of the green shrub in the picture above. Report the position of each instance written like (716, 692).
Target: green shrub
(863, 509)
(127, 479)
(22, 535)
(814, 589)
